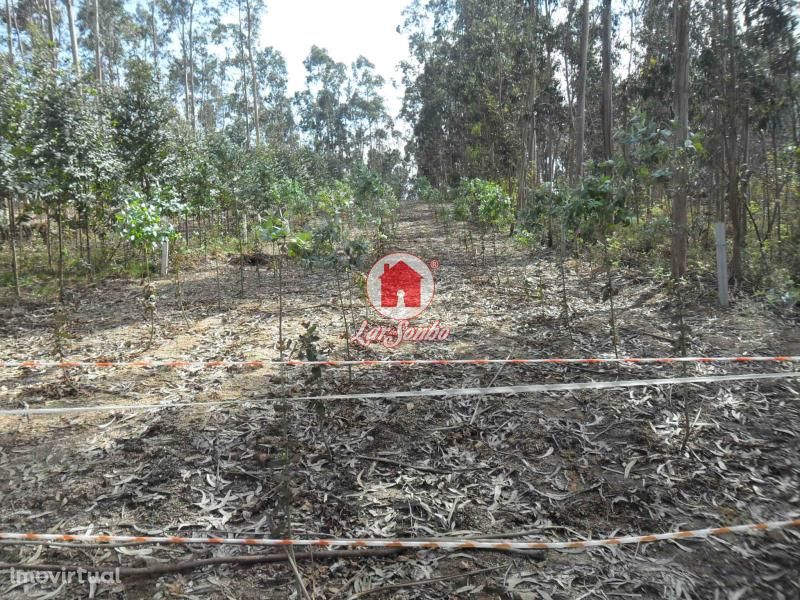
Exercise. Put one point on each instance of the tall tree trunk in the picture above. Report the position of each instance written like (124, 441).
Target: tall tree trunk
(98, 62)
(73, 39)
(19, 38)
(8, 33)
(185, 63)
(153, 32)
(191, 67)
(605, 100)
(529, 127)
(244, 78)
(680, 239)
(51, 35)
(732, 193)
(580, 117)
(253, 74)
(12, 234)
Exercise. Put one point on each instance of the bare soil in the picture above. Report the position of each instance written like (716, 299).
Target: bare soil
(546, 466)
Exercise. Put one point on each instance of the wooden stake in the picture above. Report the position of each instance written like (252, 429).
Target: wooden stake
(165, 257)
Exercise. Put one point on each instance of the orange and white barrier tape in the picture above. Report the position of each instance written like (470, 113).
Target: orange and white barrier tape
(443, 544)
(259, 363)
(451, 392)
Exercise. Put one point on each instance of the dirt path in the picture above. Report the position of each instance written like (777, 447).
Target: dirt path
(560, 465)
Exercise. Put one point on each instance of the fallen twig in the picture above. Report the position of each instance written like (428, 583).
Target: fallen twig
(189, 565)
(496, 375)
(300, 585)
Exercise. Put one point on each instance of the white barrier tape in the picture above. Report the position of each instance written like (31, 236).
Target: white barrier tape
(438, 544)
(452, 392)
(261, 363)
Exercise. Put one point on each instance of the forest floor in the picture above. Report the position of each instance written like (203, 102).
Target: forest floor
(547, 466)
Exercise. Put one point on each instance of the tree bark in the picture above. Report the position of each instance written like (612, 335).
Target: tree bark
(580, 118)
(154, 29)
(529, 128)
(680, 240)
(98, 62)
(606, 98)
(50, 30)
(244, 78)
(19, 39)
(8, 33)
(253, 74)
(732, 193)
(51, 33)
(73, 39)
(191, 67)
(185, 62)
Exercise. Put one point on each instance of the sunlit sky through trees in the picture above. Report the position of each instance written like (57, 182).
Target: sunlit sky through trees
(347, 29)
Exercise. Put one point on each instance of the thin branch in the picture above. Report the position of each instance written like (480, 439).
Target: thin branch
(189, 565)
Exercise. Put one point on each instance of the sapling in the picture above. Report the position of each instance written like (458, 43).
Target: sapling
(596, 208)
(608, 294)
(682, 347)
(563, 273)
(495, 212)
(178, 258)
(310, 352)
(141, 223)
(350, 257)
(356, 251)
(60, 337)
(149, 308)
(241, 260)
(278, 230)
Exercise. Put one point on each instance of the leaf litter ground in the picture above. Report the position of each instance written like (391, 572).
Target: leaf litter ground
(546, 466)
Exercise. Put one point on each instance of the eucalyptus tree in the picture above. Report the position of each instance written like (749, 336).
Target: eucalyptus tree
(210, 76)
(366, 110)
(732, 109)
(253, 11)
(107, 29)
(9, 32)
(73, 37)
(322, 107)
(467, 120)
(606, 100)
(772, 90)
(680, 234)
(141, 118)
(13, 105)
(69, 154)
(181, 17)
(31, 22)
(277, 118)
(580, 92)
(196, 181)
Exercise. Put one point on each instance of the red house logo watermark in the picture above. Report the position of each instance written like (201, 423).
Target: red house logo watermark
(400, 286)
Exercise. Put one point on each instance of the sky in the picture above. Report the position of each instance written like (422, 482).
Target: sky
(347, 29)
